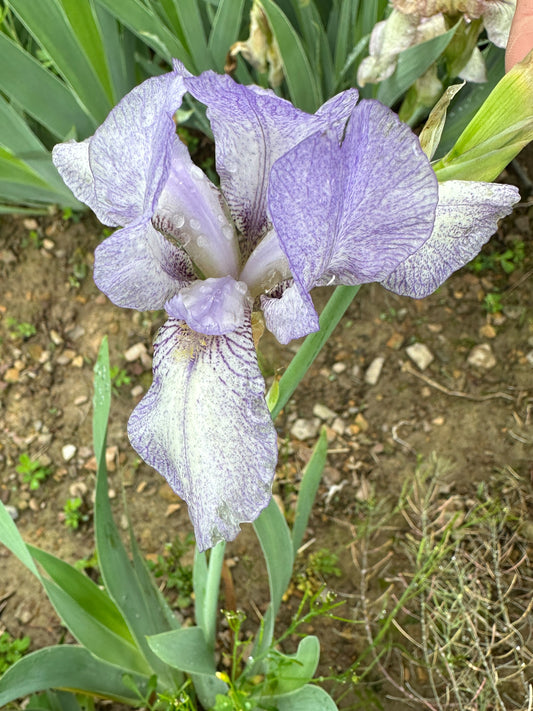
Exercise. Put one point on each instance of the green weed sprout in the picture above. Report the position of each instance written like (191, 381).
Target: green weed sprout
(33, 472)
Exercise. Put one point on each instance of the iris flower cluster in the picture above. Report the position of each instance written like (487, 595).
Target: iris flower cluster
(343, 196)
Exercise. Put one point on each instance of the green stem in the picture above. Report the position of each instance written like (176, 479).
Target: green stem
(331, 315)
(216, 560)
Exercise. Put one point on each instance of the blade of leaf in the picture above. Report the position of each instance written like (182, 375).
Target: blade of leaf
(276, 543)
(144, 22)
(308, 488)
(89, 613)
(120, 576)
(187, 18)
(412, 63)
(301, 80)
(184, 649)
(17, 137)
(225, 30)
(13, 541)
(71, 668)
(308, 698)
(47, 22)
(40, 93)
(293, 671)
(316, 43)
(84, 22)
(120, 52)
(341, 298)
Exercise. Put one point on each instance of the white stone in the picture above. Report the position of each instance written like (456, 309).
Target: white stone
(374, 371)
(68, 452)
(305, 429)
(338, 426)
(323, 412)
(420, 355)
(338, 367)
(482, 357)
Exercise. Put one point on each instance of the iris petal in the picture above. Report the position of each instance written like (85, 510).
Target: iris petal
(120, 170)
(204, 425)
(467, 215)
(138, 268)
(252, 128)
(190, 208)
(350, 213)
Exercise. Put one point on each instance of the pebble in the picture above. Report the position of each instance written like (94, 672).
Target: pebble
(420, 355)
(374, 370)
(81, 400)
(305, 429)
(323, 412)
(529, 357)
(13, 512)
(482, 357)
(338, 426)
(338, 367)
(487, 331)
(68, 452)
(138, 352)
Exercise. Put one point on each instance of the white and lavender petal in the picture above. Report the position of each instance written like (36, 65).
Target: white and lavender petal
(252, 128)
(351, 213)
(204, 425)
(211, 306)
(290, 314)
(190, 208)
(125, 163)
(467, 216)
(266, 266)
(138, 268)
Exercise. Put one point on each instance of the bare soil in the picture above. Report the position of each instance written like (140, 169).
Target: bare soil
(474, 414)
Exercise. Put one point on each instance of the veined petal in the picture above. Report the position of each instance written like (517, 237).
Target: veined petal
(138, 268)
(120, 171)
(252, 128)
(204, 425)
(190, 209)
(266, 266)
(211, 306)
(351, 213)
(290, 316)
(467, 215)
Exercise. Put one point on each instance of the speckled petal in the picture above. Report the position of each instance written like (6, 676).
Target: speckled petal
(120, 171)
(138, 268)
(467, 216)
(351, 213)
(204, 425)
(252, 128)
(290, 316)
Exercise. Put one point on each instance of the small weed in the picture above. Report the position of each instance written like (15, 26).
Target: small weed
(33, 472)
(119, 377)
(178, 576)
(319, 566)
(11, 650)
(32, 239)
(508, 261)
(492, 303)
(74, 514)
(20, 329)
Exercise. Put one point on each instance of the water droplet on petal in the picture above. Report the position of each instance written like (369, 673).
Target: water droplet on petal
(179, 221)
(202, 241)
(197, 172)
(227, 231)
(195, 224)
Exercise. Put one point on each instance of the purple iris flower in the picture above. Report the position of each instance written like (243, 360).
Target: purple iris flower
(344, 196)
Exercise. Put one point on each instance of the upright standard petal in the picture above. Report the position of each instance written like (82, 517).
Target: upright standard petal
(204, 425)
(120, 171)
(138, 268)
(350, 213)
(252, 128)
(467, 215)
(190, 208)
